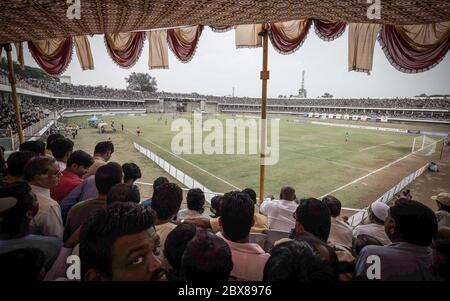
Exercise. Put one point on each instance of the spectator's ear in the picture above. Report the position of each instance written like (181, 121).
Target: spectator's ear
(299, 228)
(253, 221)
(389, 227)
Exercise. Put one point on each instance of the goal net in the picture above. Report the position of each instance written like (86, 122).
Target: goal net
(423, 145)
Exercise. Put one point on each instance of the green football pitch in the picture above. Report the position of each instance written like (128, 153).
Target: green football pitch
(314, 159)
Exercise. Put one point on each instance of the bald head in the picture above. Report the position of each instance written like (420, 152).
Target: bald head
(287, 193)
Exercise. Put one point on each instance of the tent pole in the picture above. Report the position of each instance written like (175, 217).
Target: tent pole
(264, 77)
(12, 82)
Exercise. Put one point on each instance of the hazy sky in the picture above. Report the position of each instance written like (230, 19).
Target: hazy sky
(218, 66)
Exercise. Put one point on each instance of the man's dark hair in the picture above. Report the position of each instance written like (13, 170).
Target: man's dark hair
(131, 172)
(251, 193)
(100, 232)
(216, 202)
(122, 193)
(80, 157)
(415, 222)
(37, 147)
(16, 162)
(37, 166)
(195, 199)
(296, 261)
(237, 213)
(176, 243)
(207, 257)
(158, 181)
(51, 138)
(23, 265)
(12, 219)
(315, 217)
(104, 147)
(107, 176)
(333, 204)
(166, 200)
(60, 147)
(441, 268)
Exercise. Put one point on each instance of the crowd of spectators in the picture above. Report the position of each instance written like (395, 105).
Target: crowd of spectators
(56, 201)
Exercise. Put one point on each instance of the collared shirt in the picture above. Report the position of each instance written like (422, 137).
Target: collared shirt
(66, 184)
(443, 219)
(340, 234)
(86, 190)
(259, 226)
(280, 214)
(50, 246)
(48, 221)
(400, 261)
(80, 213)
(249, 260)
(188, 213)
(374, 230)
(98, 161)
(62, 165)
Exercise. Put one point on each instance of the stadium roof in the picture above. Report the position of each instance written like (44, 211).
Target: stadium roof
(45, 19)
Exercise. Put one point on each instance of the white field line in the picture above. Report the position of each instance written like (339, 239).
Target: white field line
(375, 146)
(375, 171)
(188, 162)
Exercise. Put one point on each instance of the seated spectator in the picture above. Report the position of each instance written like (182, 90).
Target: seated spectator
(15, 164)
(105, 178)
(102, 153)
(37, 147)
(22, 265)
(207, 257)
(122, 193)
(296, 261)
(433, 167)
(18, 206)
(50, 139)
(261, 222)
(42, 173)
(174, 247)
(236, 219)
(158, 181)
(280, 212)
(131, 173)
(440, 266)
(340, 232)
(166, 202)
(443, 214)
(61, 149)
(406, 194)
(377, 214)
(77, 165)
(216, 202)
(120, 243)
(410, 226)
(195, 202)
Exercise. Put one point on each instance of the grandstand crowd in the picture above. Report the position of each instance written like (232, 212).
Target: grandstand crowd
(56, 201)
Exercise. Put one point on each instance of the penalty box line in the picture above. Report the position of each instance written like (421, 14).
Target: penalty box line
(188, 162)
(375, 171)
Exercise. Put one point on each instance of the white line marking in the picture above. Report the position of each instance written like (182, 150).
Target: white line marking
(375, 171)
(375, 146)
(190, 163)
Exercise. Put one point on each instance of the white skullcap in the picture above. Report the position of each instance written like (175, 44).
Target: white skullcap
(380, 210)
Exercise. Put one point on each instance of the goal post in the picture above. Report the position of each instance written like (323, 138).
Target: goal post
(424, 145)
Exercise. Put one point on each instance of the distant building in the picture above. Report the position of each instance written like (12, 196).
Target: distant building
(65, 79)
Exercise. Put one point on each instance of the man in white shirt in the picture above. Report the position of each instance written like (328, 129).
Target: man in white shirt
(280, 212)
(42, 173)
(340, 232)
(378, 212)
(62, 148)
